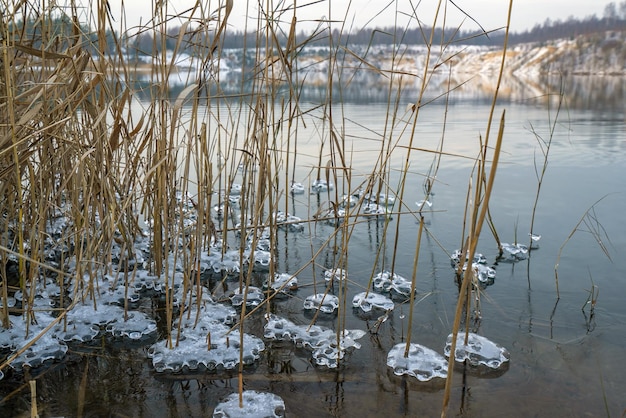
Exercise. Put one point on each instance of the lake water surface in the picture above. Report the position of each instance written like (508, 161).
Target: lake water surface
(562, 362)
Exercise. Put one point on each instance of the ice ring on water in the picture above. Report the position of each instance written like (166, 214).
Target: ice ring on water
(283, 284)
(483, 273)
(320, 185)
(254, 296)
(386, 282)
(254, 405)
(327, 351)
(478, 351)
(421, 362)
(326, 303)
(514, 252)
(297, 188)
(335, 275)
(368, 301)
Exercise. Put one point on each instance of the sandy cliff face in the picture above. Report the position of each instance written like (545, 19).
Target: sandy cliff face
(600, 54)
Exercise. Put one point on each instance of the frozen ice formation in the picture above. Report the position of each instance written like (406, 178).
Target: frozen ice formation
(368, 301)
(45, 347)
(514, 252)
(297, 188)
(10, 302)
(534, 241)
(478, 351)
(455, 258)
(214, 349)
(262, 260)
(335, 275)
(382, 199)
(235, 189)
(134, 326)
(422, 362)
(348, 201)
(327, 351)
(212, 311)
(333, 216)
(325, 302)
(254, 405)
(386, 282)
(423, 204)
(84, 323)
(289, 222)
(375, 209)
(483, 273)
(283, 283)
(254, 296)
(320, 185)
(143, 281)
(206, 343)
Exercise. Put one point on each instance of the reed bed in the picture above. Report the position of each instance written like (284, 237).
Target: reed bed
(77, 145)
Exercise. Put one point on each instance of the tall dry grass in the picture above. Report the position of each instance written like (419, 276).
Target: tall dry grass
(77, 146)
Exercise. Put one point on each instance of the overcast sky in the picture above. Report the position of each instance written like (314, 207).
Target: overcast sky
(491, 14)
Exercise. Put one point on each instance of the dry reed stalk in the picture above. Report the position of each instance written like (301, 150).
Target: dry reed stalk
(481, 203)
(33, 399)
(109, 159)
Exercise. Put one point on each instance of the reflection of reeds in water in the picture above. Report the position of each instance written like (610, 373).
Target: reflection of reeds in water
(74, 143)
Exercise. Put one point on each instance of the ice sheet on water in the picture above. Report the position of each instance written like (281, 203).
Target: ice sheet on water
(211, 311)
(10, 302)
(368, 301)
(333, 216)
(84, 323)
(514, 252)
(326, 303)
(235, 189)
(534, 241)
(483, 273)
(114, 292)
(135, 326)
(335, 275)
(375, 209)
(44, 298)
(284, 283)
(228, 262)
(422, 362)
(455, 258)
(45, 347)
(478, 351)
(348, 201)
(382, 199)
(262, 260)
(386, 282)
(143, 281)
(424, 204)
(210, 345)
(323, 341)
(254, 296)
(287, 221)
(255, 405)
(320, 185)
(297, 188)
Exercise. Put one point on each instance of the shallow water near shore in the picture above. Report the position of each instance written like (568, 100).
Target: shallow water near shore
(563, 363)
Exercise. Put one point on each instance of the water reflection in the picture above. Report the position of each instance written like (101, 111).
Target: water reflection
(598, 94)
(548, 346)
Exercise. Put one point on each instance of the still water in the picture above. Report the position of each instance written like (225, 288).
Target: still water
(563, 363)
